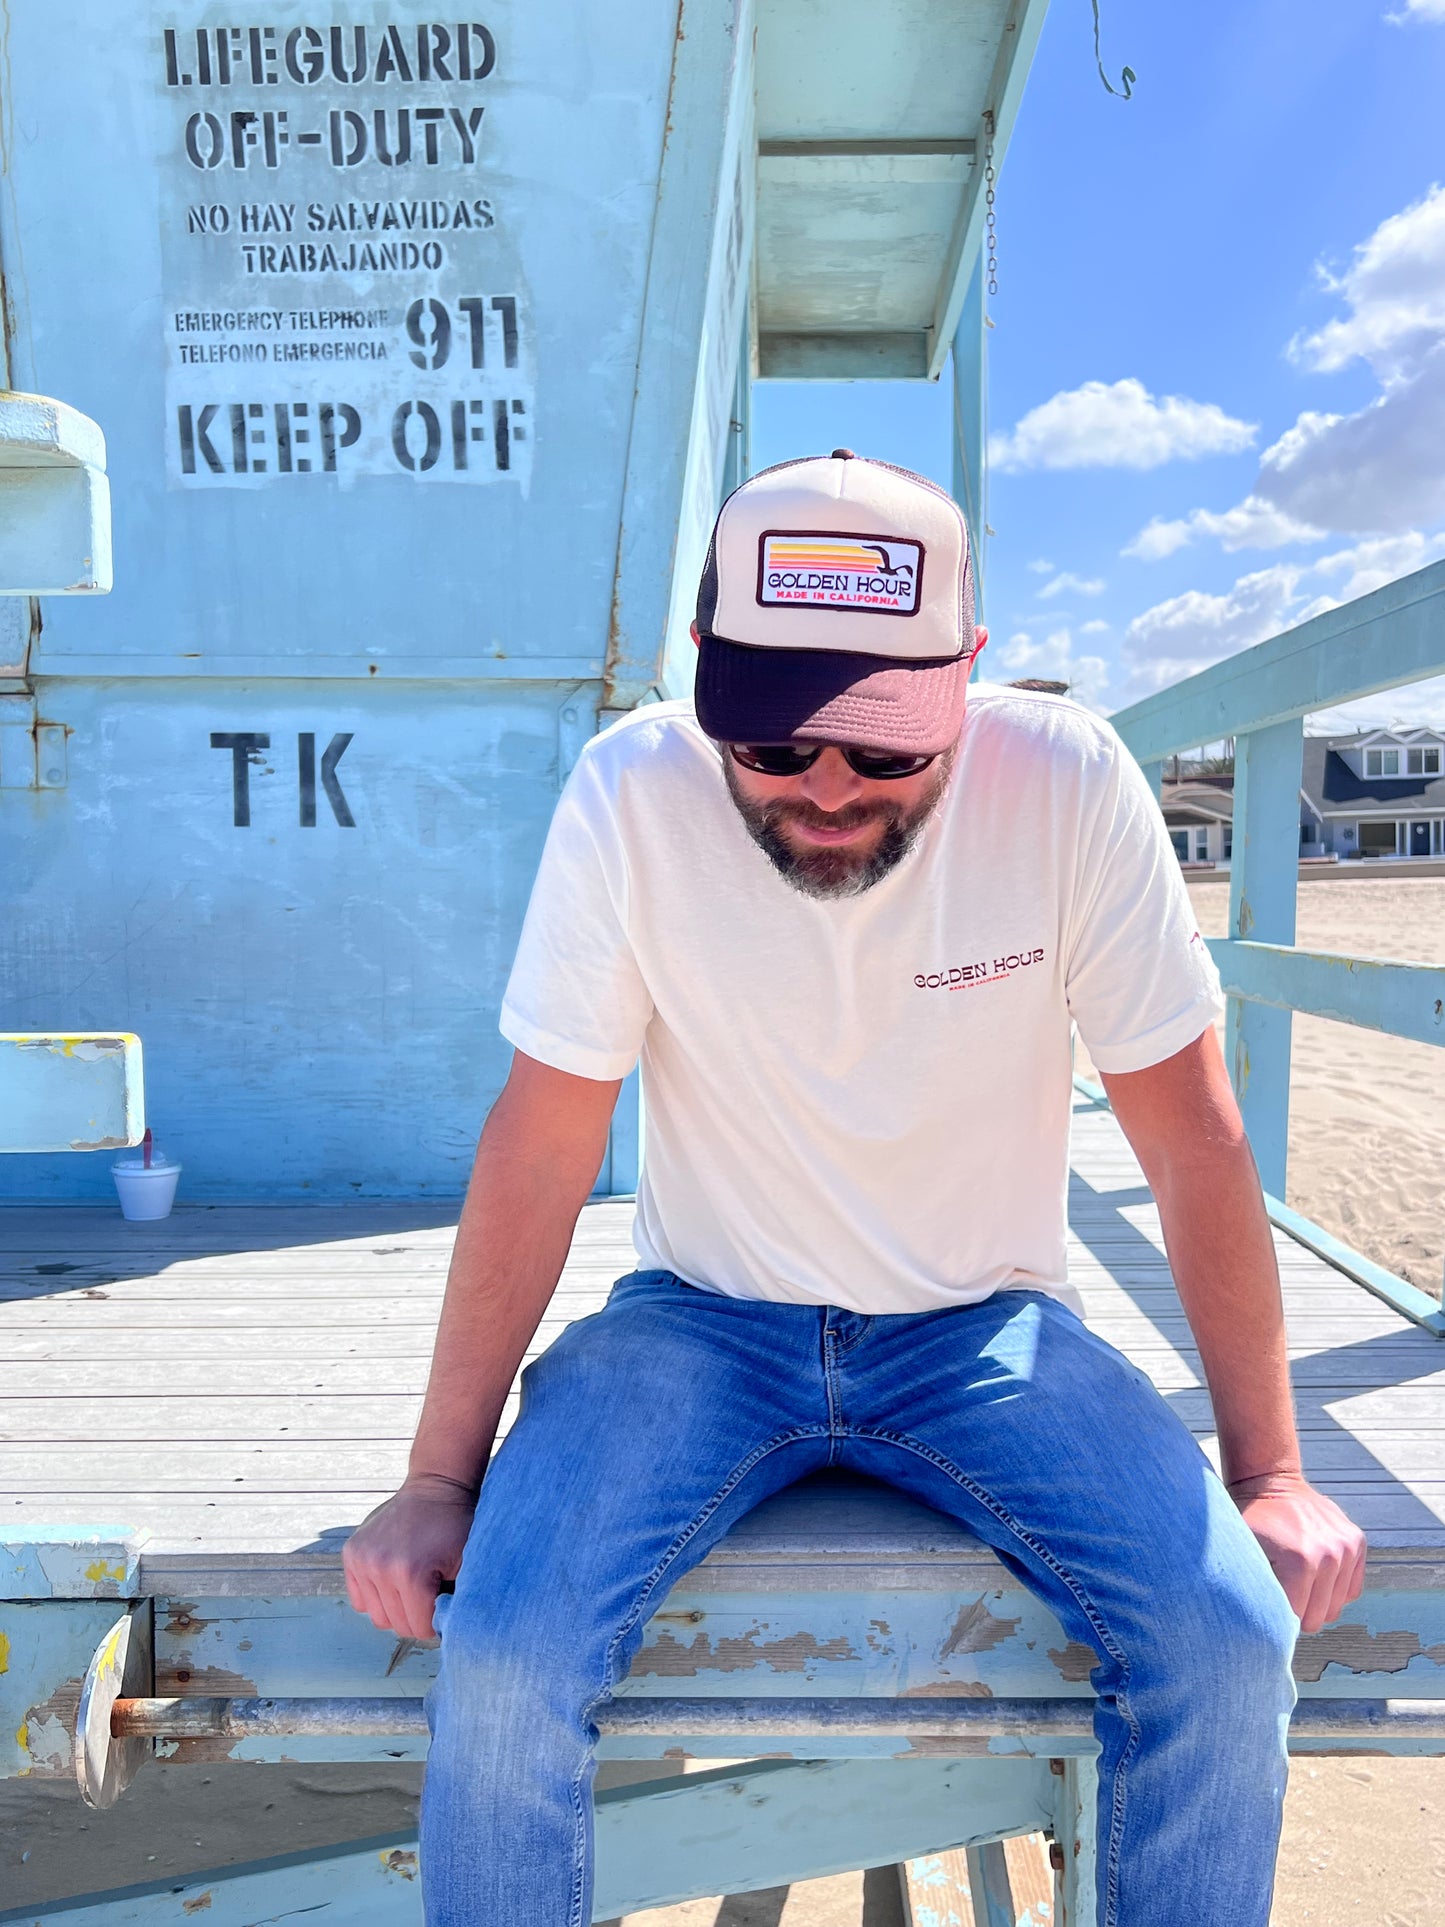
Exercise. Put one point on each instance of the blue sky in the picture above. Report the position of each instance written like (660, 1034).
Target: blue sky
(1217, 373)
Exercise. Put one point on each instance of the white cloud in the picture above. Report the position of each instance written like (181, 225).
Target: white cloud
(1394, 288)
(1418, 702)
(1039, 566)
(1188, 632)
(1378, 560)
(1094, 628)
(1067, 584)
(1380, 469)
(1053, 659)
(1117, 425)
(1427, 10)
(1250, 524)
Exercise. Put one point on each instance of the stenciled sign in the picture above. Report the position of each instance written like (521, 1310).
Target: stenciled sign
(333, 305)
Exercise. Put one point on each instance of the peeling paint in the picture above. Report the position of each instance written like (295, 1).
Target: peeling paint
(1074, 1661)
(976, 1630)
(181, 1618)
(198, 1905)
(49, 1729)
(1358, 1650)
(99, 1573)
(669, 1658)
(4, 1653)
(949, 1689)
(399, 1860)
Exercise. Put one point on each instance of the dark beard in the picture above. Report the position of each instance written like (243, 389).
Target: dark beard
(828, 873)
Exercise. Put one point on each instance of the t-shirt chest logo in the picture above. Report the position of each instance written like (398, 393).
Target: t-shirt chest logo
(973, 976)
(864, 574)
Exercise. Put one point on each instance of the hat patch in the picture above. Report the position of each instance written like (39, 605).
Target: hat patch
(863, 574)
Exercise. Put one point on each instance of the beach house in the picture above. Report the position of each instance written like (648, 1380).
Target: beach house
(1378, 793)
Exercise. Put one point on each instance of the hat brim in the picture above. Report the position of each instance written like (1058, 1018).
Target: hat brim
(752, 695)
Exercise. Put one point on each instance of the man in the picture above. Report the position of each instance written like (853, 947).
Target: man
(847, 924)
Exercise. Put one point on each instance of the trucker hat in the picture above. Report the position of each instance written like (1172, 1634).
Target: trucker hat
(836, 606)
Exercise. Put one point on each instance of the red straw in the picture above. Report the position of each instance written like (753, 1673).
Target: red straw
(145, 1145)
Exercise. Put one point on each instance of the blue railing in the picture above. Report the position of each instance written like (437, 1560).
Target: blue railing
(1260, 697)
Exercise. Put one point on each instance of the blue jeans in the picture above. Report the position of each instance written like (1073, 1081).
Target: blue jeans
(650, 1428)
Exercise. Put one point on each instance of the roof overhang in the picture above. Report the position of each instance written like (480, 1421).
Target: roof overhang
(873, 125)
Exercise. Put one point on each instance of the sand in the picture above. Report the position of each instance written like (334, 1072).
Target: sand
(1367, 1112)
(1364, 1839)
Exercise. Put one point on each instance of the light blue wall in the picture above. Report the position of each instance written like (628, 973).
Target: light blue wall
(318, 1002)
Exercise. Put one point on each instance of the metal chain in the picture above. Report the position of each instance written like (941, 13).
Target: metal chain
(989, 198)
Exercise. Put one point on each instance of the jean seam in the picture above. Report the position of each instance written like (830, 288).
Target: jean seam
(1091, 1612)
(639, 1606)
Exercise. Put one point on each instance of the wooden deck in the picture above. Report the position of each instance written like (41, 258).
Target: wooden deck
(241, 1382)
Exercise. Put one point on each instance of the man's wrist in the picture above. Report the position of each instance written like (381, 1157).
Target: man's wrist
(446, 1486)
(1275, 1482)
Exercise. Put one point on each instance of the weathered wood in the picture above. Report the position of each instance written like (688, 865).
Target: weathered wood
(168, 1396)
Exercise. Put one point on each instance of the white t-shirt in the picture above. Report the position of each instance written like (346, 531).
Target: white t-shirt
(861, 1102)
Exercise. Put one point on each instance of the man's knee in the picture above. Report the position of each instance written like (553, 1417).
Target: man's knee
(1226, 1640)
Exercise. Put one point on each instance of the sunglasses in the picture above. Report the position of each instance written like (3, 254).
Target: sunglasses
(791, 759)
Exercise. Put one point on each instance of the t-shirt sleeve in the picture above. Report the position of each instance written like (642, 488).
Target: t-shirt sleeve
(576, 999)
(1140, 981)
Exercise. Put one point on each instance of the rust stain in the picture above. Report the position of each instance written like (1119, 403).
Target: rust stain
(949, 1689)
(1074, 1661)
(181, 1618)
(669, 1658)
(976, 1630)
(1359, 1650)
(202, 1682)
(196, 1906)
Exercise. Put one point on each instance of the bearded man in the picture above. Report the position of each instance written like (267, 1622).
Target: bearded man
(846, 912)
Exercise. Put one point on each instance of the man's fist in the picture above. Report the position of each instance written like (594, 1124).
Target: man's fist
(1318, 1554)
(399, 1557)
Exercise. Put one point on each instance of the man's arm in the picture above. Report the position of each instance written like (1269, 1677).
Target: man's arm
(1184, 1125)
(536, 1163)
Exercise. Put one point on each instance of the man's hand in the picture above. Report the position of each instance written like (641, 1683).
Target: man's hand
(1318, 1554)
(400, 1555)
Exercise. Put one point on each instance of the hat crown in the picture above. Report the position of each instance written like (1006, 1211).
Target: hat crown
(841, 553)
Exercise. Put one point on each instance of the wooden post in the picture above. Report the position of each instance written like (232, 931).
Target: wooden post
(970, 424)
(1264, 875)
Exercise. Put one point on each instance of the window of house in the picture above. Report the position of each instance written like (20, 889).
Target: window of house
(1201, 846)
(1377, 839)
(1382, 762)
(1422, 762)
(1228, 842)
(1180, 840)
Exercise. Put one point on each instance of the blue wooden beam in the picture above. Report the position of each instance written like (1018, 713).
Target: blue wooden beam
(970, 425)
(1016, 45)
(1412, 1303)
(1264, 873)
(733, 1830)
(1393, 635)
(1403, 999)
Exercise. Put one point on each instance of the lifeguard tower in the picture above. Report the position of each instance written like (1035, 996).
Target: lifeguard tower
(423, 350)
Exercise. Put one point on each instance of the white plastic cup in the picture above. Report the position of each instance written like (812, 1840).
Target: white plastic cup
(145, 1191)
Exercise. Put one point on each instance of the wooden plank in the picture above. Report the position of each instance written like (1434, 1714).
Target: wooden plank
(227, 1379)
